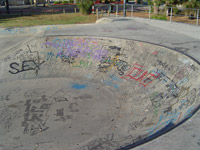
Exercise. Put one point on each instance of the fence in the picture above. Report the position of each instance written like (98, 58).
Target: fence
(176, 14)
(39, 10)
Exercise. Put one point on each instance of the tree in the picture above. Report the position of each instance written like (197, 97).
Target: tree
(191, 4)
(85, 6)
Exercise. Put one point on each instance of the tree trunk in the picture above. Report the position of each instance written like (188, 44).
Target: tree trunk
(7, 7)
(155, 7)
(48, 2)
(35, 3)
(44, 3)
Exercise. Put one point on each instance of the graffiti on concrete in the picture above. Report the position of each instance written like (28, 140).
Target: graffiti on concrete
(7, 116)
(36, 115)
(143, 77)
(28, 30)
(26, 64)
(113, 81)
(107, 63)
(78, 86)
(77, 48)
(38, 107)
(165, 92)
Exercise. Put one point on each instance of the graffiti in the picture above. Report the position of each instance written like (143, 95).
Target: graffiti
(79, 86)
(32, 30)
(143, 77)
(184, 97)
(180, 74)
(189, 111)
(77, 48)
(29, 61)
(172, 88)
(193, 67)
(36, 115)
(25, 66)
(190, 98)
(164, 121)
(184, 60)
(82, 63)
(62, 117)
(107, 63)
(62, 56)
(71, 107)
(173, 115)
(83, 97)
(182, 81)
(4, 97)
(28, 54)
(65, 58)
(74, 60)
(49, 56)
(136, 124)
(107, 142)
(38, 106)
(115, 48)
(113, 81)
(155, 53)
(156, 99)
(6, 117)
(164, 65)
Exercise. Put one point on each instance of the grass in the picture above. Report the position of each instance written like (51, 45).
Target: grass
(53, 19)
(159, 17)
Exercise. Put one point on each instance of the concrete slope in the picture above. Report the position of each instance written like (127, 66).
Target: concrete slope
(83, 93)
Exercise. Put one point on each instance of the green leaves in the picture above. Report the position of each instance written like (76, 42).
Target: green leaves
(84, 6)
(192, 4)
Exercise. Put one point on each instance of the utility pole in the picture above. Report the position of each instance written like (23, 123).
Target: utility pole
(124, 9)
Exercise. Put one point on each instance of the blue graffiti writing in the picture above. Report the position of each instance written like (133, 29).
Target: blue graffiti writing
(79, 86)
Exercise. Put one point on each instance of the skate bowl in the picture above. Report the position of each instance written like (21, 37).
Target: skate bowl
(93, 93)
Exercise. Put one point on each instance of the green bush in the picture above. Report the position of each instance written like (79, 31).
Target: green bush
(159, 17)
(65, 2)
(176, 11)
(85, 6)
(71, 1)
(57, 2)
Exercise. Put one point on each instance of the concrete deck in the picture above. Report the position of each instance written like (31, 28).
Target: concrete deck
(128, 82)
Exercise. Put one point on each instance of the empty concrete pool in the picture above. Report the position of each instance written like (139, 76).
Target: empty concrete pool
(93, 93)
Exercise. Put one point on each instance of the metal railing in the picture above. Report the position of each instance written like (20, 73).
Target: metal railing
(172, 14)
